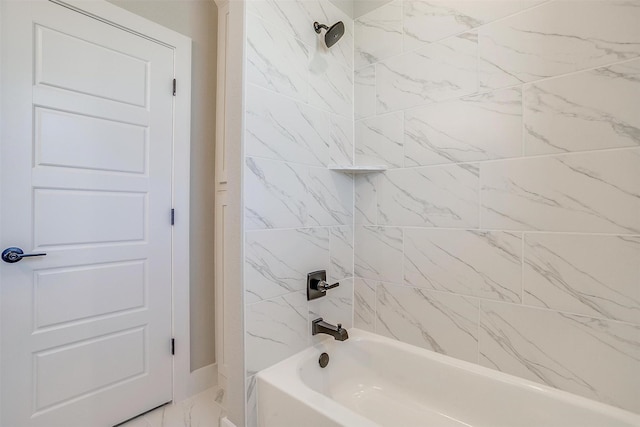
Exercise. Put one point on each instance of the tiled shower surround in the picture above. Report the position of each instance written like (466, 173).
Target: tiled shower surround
(506, 231)
(298, 214)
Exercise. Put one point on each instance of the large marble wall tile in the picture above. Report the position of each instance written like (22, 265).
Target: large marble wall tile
(364, 92)
(341, 253)
(276, 61)
(366, 199)
(340, 129)
(275, 194)
(275, 330)
(252, 407)
(595, 358)
(277, 261)
(441, 322)
(378, 34)
(378, 253)
(335, 307)
(329, 197)
(481, 127)
(562, 116)
(436, 72)
(584, 192)
(440, 196)
(364, 304)
(285, 195)
(279, 128)
(342, 51)
(487, 264)
(429, 21)
(295, 18)
(586, 274)
(379, 140)
(556, 38)
(331, 88)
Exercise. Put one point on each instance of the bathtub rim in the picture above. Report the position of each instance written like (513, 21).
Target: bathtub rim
(285, 376)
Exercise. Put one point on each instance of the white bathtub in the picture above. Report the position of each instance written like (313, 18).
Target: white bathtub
(375, 381)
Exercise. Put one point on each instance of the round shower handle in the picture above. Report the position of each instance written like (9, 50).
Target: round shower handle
(14, 254)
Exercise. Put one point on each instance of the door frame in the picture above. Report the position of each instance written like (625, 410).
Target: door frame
(113, 15)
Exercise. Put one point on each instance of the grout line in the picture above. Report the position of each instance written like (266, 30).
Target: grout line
(523, 127)
(297, 100)
(522, 266)
(452, 36)
(479, 197)
(502, 230)
(478, 332)
(488, 300)
(508, 159)
(517, 85)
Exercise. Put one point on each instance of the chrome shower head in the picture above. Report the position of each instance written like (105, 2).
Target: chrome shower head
(333, 34)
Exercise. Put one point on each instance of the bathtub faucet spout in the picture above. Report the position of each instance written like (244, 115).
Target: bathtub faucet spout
(319, 326)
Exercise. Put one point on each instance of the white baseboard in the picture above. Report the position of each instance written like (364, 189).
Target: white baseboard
(226, 423)
(202, 379)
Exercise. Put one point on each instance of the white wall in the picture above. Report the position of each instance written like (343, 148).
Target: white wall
(507, 232)
(198, 20)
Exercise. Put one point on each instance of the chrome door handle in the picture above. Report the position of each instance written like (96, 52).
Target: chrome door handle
(12, 255)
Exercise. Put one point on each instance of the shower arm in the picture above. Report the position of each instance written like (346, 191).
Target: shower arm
(317, 26)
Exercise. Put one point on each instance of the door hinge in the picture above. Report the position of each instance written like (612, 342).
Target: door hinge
(173, 216)
(175, 85)
(173, 346)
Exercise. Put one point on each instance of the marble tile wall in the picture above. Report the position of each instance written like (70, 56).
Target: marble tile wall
(298, 214)
(507, 230)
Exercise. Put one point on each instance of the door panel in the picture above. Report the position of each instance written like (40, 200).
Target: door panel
(67, 217)
(78, 141)
(87, 139)
(98, 290)
(77, 64)
(74, 370)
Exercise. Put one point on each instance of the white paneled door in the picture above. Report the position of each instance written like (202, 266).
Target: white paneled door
(86, 178)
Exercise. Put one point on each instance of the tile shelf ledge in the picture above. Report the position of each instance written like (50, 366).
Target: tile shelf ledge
(358, 169)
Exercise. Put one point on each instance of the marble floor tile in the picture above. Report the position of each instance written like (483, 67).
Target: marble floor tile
(201, 410)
